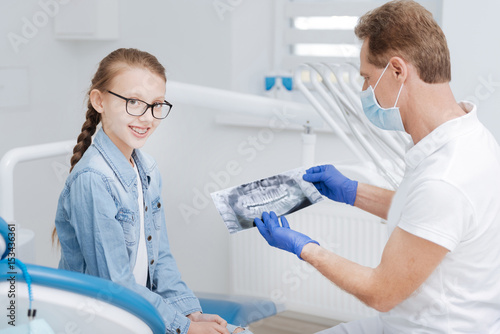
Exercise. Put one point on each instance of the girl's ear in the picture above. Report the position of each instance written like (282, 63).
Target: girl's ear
(96, 100)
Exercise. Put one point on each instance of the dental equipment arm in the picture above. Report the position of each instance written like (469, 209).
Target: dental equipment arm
(4, 237)
(348, 108)
(333, 96)
(21, 154)
(326, 117)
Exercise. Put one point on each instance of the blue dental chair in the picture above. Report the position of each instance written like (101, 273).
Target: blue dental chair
(238, 310)
(77, 303)
(69, 302)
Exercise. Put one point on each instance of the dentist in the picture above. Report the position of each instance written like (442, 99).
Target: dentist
(440, 267)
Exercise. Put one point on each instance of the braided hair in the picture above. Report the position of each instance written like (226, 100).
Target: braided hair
(109, 67)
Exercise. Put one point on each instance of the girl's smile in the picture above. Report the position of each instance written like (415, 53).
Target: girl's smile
(129, 132)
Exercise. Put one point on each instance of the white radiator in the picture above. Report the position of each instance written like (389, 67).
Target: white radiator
(262, 271)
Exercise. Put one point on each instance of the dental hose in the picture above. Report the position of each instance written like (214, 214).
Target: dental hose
(27, 279)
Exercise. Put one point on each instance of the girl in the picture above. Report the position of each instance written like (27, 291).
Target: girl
(110, 219)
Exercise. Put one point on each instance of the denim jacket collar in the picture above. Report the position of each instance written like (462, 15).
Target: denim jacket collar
(120, 165)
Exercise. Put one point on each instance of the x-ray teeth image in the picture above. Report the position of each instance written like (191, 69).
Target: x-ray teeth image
(284, 193)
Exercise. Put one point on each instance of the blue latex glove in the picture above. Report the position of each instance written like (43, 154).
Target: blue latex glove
(332, 184)
(281, 236)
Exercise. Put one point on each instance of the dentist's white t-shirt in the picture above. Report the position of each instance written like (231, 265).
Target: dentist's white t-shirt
(450, 195)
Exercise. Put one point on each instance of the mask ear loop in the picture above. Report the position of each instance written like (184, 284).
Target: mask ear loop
(399, 93)
(400, 89)
(380, 77)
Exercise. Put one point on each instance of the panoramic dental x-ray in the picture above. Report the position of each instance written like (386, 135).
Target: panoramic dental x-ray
(283, 193)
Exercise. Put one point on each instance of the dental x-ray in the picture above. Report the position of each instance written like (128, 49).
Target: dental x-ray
(284, 193)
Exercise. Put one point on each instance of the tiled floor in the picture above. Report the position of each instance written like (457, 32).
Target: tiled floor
(292, 323)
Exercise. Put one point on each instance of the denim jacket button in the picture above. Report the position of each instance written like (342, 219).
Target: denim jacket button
(146, 208)
(152, 261)
(178, 331)
(149, 238)
(158, 205)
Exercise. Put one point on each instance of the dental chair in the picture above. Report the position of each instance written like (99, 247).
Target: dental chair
(70, 302)
(67, 302)
(238, 310)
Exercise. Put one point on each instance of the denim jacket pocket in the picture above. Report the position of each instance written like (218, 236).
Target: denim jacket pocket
(127, 220)
(156, 211)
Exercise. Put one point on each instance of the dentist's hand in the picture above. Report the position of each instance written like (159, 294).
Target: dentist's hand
(332, 184)
(281, 236)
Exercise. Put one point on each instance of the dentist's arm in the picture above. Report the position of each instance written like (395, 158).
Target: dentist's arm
(332, 184)
(407, 261)
(374, 200)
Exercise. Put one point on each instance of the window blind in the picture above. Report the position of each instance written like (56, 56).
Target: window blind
(323, 31)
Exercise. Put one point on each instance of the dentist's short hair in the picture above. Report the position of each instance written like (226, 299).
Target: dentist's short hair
(406, 29)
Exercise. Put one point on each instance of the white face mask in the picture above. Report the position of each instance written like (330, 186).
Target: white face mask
(383, 118)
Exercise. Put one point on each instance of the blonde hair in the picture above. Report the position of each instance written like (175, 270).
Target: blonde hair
(108, 69)
(406, 29)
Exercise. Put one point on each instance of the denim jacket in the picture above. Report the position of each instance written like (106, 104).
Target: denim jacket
(98, 226)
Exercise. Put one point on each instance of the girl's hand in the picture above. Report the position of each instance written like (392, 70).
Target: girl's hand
(206, 328)
(202, 317)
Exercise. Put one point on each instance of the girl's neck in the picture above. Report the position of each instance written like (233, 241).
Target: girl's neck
(123, 147)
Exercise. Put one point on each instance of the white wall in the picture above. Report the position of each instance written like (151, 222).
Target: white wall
(50, 113)
(198, 43)
(472, 33)
(192, 43)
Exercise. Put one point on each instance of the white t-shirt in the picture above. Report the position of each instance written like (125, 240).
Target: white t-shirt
(141, 262)
(450, 195)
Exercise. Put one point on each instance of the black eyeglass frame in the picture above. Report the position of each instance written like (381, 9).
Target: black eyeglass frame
(149, 106)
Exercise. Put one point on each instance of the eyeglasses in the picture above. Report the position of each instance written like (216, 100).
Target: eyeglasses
(136, 107)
